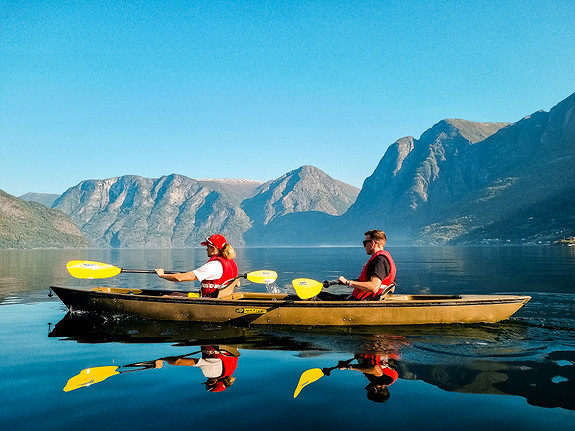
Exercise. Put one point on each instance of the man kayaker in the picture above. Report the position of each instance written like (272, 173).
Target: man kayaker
(380, 370)
(219, 268)
(378, 274)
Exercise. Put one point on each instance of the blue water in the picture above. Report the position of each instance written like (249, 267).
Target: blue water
(518, 374)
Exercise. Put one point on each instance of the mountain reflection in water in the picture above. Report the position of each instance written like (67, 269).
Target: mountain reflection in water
(478, 359)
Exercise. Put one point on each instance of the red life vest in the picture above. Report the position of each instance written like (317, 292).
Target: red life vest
(377, 361)
(362, 294)
(229, 363)
(230, 270)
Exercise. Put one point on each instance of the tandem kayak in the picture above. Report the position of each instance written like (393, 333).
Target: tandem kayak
(245, 308)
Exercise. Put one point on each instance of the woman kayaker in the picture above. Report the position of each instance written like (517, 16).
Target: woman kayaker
(378, 273)
(217, 363)
(219, 268)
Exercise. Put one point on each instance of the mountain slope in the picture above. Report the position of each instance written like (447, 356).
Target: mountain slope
(417, 180)
(527, 178)
(465, 182)
(32, 225)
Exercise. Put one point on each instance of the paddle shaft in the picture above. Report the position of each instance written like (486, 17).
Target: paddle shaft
(153, 271)
(340, 364)
(144, 271)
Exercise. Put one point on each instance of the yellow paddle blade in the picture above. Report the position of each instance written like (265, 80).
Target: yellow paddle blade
(90, 376)
(306, 378)
(306, 288)
(264, 276)
(89, 269)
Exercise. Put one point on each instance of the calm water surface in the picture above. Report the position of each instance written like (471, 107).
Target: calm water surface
(518, 374)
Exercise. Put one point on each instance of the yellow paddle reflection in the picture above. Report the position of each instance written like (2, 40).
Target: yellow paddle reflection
(307, 378)
(378, 364)
(90, 376)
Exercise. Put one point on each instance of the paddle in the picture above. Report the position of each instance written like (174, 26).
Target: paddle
(306, 288)
(314, 374)
(89, 269)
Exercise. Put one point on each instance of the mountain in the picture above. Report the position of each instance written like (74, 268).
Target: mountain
(416, 181)
(177, 211)
(32, 225)
(462, 182)
(132, 211)
(306, 194)
(46, 199)
(526, 184)
(301, 190)
(465, 182)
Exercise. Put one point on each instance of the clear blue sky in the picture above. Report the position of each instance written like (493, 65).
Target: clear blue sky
(254, 89)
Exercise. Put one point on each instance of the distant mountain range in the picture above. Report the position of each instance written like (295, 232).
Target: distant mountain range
(462, 182)
(177, 211)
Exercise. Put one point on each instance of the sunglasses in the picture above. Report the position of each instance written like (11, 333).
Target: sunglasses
(367, 241)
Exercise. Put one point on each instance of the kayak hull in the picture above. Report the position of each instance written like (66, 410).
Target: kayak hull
(283, 309)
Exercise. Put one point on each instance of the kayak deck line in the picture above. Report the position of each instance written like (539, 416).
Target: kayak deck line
(282, 308)
(292, 300)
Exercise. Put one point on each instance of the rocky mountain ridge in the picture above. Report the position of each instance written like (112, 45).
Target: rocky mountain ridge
(471, 183)
(177, 211)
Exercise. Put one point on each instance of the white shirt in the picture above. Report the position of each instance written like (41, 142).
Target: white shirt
(211, 367)
(209, 271)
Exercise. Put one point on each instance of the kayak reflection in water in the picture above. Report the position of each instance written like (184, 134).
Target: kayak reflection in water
(217, 364)
(380, 370)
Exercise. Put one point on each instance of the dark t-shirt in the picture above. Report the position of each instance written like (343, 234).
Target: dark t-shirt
(379, 267)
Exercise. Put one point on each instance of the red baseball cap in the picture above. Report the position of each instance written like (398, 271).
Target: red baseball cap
(216, 240)
(219, 386)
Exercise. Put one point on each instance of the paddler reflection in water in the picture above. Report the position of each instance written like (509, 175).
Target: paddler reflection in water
(219, 268)
(217, 364)
(379, 369)
(378, 275)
